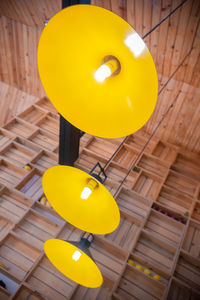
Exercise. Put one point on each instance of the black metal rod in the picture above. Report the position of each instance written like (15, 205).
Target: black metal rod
(118, 148)
(69, 137)
(165, 18)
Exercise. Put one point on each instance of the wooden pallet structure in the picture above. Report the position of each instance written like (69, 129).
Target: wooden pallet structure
(159, 204)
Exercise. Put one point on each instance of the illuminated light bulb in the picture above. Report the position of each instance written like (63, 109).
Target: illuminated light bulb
(87, 190)
(102, 73)
(77, 254)
(135, 44)
(110, 67)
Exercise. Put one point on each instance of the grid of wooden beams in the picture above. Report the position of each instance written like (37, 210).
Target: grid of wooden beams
(159, 204)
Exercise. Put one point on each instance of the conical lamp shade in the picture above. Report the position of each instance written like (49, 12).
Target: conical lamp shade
(66, 188)
(73, 263)
(97, 71)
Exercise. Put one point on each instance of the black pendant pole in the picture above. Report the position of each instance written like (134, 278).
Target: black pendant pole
(69, 137)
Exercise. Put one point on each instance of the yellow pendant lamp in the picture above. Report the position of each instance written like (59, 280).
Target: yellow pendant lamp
(97, 71)
(81, 199)
(74, 260)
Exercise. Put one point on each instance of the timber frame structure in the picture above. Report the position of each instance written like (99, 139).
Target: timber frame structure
(159, 201)
(159, 205)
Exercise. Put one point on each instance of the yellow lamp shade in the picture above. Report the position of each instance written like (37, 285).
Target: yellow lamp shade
(81, 199)
(97, 71)
(73, 263)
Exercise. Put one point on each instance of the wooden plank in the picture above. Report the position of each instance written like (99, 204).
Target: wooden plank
(136, 284)
(5, 226)
(191, 242)
(17, 154)
(20, 127)
(17, 255)
(181, 183)
(32, 114)
(165, 228)
(44, 140)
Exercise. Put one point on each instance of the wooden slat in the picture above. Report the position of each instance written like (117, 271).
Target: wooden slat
(13, 101)
(23, 75)
(33, 13)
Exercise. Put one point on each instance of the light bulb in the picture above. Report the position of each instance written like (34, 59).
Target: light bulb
(102, 73)
(88, 189)
(86, 192)
(135, 44)
(77, 254)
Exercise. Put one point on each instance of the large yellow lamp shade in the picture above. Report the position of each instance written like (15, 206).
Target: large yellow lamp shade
(81, 199)
(73, 262)
(97, 71)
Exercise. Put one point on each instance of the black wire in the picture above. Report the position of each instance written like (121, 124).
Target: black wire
(118, 148)
(161, 21)
(159, 123)
(165, 18)
(147, 142)
(164, 115)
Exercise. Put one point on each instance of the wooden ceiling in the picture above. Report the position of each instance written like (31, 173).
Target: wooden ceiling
(21, 23)
(13, 101)
(30, 12)
(170, 42)
(182, 124)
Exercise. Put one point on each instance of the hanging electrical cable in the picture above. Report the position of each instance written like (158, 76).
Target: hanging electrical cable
(147, 34)
(159, 123)
(165, 18)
